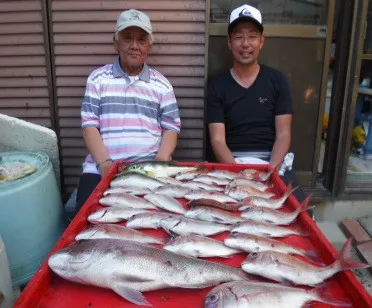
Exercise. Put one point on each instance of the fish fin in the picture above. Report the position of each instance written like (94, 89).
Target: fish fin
(299, 231)
(344, 259)
(324, 293)
(305, 205)
(131, 295)
(312, 256)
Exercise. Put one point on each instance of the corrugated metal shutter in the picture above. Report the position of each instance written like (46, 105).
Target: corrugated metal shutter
(83, 31)
(23, 74)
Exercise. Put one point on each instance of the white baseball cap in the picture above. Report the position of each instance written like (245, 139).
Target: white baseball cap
(134, 18)
(245, 13)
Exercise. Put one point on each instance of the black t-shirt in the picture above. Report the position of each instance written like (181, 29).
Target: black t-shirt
(249, 113)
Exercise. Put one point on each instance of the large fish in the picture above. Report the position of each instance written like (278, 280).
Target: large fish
(199, 246)
(149, 220)
(202, 194)
(243, 191)
(166, 203)
(211, 214)
(232, 207)
(137, 191)
(129, 268)
(264, 202)
(255, 184)
(175, 191)
(159, 168)
(126, 201)
(252, 243)
(289, 269)
(194, 185)
(254, 294)
(263, 214)
(113, 215)
(135, 179)
(185, 226)
(265, 229)
(211, 180)
(111, 231)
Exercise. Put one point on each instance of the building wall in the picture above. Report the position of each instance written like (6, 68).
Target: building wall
(81, 34)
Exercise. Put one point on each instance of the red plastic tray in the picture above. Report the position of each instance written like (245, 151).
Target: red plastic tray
(46, 289)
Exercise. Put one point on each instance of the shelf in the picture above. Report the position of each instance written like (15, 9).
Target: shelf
(367, 56)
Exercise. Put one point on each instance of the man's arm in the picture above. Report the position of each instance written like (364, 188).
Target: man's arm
(218, 142)
(167, 146)
(282, 140)
(97, 149)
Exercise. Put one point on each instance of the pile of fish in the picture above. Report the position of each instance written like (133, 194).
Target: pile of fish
(242, 208)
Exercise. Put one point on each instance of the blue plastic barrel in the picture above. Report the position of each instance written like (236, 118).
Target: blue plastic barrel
(31, 215)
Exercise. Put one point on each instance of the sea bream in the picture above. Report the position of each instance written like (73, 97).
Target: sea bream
(199, 246)
(126, 201)
(254, 294)
(113, 215)
(266, 229)
(159, 168)
(185, 226)
(211, 214)
(149, 220)
(231, 207)
(211, 180)
(129, 268)
(264, 202)
(263, 214)
(194, 185)
(135, 179)
(243, 191)
(255, 184)
(252, 243)
(137, 191)
(165, 203)
(112, 231)
(290, 269)
(175, 191)
(202, 194)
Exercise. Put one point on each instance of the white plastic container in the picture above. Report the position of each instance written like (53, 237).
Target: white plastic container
(5, 281)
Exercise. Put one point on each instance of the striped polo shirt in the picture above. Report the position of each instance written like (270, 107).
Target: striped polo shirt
(130, 113)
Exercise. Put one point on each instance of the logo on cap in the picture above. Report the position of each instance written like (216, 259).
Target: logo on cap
(245, 12)
(135, 15)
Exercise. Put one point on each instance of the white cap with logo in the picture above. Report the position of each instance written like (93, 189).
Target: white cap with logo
(134, 18)
(247, 13)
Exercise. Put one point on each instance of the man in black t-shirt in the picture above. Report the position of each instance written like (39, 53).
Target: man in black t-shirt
(249, 108)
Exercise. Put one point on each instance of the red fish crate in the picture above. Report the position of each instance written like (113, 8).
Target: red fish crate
(46, 289)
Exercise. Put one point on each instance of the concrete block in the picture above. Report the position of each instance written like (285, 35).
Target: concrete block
(333, 233)
(366, 251)
(21, 135)
(353, 228)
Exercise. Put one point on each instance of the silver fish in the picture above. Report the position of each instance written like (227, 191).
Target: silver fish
(159, 168)
(211, 214)
(137, 191)
(185, 176)
(111, 231)
(199, 246)
(113, 215)
(198, 185)
(266, 230)
(149, 220)
(289, 269)
(175, 191)
(126, 201)
(256, 294)
(263, 214)
(166, 203)
(257, 175)
(241, 192)
(224, 174)
(253, 243)
(211, 180)
(202, 194)
(170, 181)
(231, 207)
(136, 179)
(264, 202)
(129, 268)
(185, 226)
(255, 184)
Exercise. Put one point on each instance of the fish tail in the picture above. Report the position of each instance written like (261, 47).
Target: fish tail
(344, 260)
(324, 293)
(289, 191)
(300, 231)
(305, 205)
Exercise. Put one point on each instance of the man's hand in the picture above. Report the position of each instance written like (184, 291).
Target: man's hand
(104, 168)
(218, 142)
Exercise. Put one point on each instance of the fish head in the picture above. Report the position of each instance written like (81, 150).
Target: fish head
(255, 260)
(221, 296)
(72, 259)
(232, 239)
(97, 215)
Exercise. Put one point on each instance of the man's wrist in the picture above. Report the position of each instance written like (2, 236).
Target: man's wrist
(98, 164)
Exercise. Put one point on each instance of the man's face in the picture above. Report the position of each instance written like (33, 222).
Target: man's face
(133, 46)
(245, 43)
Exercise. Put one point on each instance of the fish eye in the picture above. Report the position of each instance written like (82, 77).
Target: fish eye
(212, 298)
(234, 233)
(252, 256)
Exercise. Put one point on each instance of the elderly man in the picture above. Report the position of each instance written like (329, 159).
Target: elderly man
(129, 111)
(249, 108)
